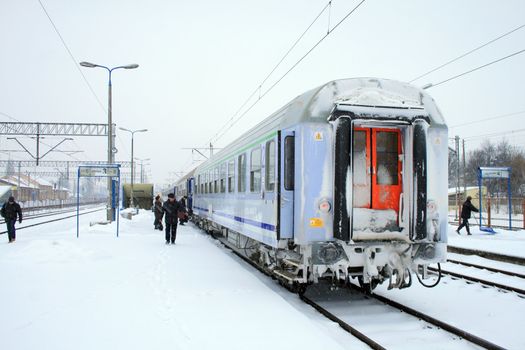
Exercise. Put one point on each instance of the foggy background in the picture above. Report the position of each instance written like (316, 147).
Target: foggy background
(200, 60)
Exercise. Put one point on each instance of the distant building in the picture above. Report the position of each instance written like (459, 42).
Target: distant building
(25, 188)
(472, 191)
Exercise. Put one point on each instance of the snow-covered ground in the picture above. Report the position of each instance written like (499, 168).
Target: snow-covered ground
(503, 242)
(135, 292)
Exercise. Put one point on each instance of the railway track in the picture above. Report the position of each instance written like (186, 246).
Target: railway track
(54, 220)
(489, 255)
(482, 281)
(483, 267)
(43, 211)
(354, 331)
(341, 313)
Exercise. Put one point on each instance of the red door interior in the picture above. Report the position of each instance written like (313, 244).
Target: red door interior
(386, 169)
(377, 178)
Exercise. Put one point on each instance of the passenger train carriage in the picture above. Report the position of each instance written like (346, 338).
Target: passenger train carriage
(347, 180)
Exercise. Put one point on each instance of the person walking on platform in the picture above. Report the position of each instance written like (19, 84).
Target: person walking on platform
(171, 210)
(159, 213)
(466, 210)
(10, 210)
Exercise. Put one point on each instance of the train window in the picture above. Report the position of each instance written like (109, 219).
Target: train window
(210, 189)
(255, 170)
(387, 158)
(231, 173)
(223, 177)
(241, 173)
(216, 180)
(196, 185)
(270, 166)
(289, 162)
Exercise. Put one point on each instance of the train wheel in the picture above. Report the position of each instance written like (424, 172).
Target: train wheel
(299, 288)
(367, 287)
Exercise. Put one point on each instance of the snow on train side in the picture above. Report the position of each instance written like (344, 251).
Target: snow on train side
(348, 180)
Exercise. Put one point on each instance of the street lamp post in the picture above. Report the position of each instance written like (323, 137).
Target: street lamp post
(132, 132)
(142, 177)
(111, 150)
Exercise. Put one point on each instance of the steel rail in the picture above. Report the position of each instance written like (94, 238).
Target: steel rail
(489, 255)
(482, 267)
(443, 325)
(54, 220)
(64, 210)
(479, 280)
(353, 331)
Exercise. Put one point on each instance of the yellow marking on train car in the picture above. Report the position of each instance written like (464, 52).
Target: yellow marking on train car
(316, 222)
(318, 136)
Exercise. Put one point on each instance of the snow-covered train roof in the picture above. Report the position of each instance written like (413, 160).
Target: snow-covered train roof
(317, 104)
(372, 92)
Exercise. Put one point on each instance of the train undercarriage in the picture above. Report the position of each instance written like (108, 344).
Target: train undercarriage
(368, 264)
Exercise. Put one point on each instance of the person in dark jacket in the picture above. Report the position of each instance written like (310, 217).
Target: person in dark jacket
(466, 211)
(183, 213)
(159, 213)
(10, 210)
(171, 210)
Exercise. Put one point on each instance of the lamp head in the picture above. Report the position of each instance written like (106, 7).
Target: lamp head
(88, 64)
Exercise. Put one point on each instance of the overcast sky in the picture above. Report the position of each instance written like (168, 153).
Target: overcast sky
(199, 61)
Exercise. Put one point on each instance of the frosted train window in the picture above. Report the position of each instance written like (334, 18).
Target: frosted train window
(208, 183)
(223, 177)
(359, 157)
(387, 158)
(196, 190)
(289, 163)
(216, 180)
(231, 173)
(270, 166)
(241, 173)
(255, 170)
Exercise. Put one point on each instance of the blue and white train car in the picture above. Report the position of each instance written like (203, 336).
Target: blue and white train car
(184, 188)
(346, 180)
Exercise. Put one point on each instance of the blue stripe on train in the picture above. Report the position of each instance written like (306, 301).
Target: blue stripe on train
(262, 225)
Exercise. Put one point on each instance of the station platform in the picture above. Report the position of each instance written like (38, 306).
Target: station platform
(504, 241)
(136, 292)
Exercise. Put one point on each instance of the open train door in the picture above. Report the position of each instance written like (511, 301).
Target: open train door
(286, 175)
(377, 179)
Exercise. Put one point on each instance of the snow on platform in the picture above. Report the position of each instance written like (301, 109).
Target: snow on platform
(135, 292)
(503, 242)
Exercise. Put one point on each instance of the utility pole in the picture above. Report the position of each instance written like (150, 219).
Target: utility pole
(18, 187)
(456, 139)
(464, 169)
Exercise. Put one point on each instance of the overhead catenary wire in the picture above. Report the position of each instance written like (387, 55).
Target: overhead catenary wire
(495, 134)
(475, 69)
(259, 86)
(501, 116)
(75, 62)
(467, 53)
(291, 68)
